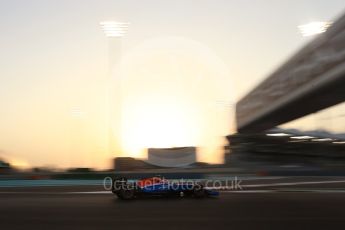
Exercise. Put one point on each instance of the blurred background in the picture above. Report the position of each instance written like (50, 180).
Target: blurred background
(247, 95)
(200, 85)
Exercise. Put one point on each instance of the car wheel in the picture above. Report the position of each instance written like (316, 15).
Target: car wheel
(199, 192)
(118, 184)
(126, 194)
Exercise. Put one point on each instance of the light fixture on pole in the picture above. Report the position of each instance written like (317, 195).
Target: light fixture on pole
(314, 28)
(114, 29)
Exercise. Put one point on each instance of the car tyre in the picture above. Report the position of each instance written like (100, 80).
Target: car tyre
(126, 194)
(199, 191)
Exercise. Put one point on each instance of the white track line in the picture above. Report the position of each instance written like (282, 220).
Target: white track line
(247, 191)
(293, 183)
(276, 184)
(232, 190)
(92, 192)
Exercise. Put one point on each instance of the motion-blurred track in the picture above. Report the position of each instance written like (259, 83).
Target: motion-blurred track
(319, 207)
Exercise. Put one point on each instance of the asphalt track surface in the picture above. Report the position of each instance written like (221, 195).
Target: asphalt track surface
(296, 207)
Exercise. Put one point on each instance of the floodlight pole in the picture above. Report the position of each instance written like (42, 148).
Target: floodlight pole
(114, 32)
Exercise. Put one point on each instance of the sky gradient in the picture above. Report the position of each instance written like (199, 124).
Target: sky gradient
(54, 67)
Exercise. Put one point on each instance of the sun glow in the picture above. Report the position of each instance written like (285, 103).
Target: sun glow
(18, 163)
(170, 98)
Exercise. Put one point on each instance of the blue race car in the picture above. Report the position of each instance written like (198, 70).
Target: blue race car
(158, 186)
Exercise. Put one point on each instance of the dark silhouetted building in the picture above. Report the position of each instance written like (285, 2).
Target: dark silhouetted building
(131, 164)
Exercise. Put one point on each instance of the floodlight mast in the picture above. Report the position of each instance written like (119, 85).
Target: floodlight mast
(114, 31)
